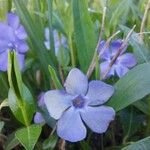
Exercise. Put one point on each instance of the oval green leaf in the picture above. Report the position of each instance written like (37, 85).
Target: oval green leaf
(29, 136)
(132, 87)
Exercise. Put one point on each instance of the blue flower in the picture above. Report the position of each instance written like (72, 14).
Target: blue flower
(12, 37)
(58, 41)
(80, 103)
(38, 118)
(124, 62)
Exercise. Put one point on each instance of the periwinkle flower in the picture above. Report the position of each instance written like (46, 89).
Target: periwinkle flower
(12, 37)
(80, 103)
(57, 40)
(38, 118)
(124, 62)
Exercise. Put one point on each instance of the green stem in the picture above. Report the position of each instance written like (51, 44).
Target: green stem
(50, 14)
(72, 52)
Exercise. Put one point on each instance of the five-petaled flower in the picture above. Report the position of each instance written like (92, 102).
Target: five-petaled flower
(38, 118)
(123, 63)
(80, 103)
(12, 37)
(58, 41)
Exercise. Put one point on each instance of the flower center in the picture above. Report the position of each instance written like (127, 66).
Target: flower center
(10, 45)
(78, 102)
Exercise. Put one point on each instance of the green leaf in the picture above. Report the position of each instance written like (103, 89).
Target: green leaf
(17, 73)
(63, 56)
(19, 97)
(4, 8)
(140, 50)
(131, 120)
(22, 107)
(28, 103)
(143, 144)
(3, 85)
(11, 142)
(142, 106)
(50, 143)
(9, 72)
(54, 77)
(122, 9)
(132, 87)
(15, 107)
(29, 136)
(84, 33)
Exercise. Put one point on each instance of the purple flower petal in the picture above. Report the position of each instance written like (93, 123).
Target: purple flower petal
(21, 33)
(6, 33)
(99, 92)
(41, 99)
(3, 61)
(38, 118)
(56, 102)
(121, 70)
(47, 34)
(21, 60)
(70, 126)
(3, 45)
(115, 45)
(13, 20)
(21, 46)
(98, 118)
(64, 41)
(57, 40)
(103, 68)
(76, 82)
(106, 55)
(127, 60)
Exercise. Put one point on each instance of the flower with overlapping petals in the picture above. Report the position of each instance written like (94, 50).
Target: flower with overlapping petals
(123, 63)
(12, 37)
(78, 104)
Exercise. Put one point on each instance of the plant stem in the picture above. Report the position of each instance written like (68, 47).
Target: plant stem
(93, 62)
(62, 144)
(144, 21)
